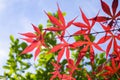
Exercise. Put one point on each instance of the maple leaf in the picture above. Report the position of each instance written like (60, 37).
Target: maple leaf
(67, 77)
(111, 70)
(71, 66)
(80, 57)
(63, 46)
(109, 36)
(87, 44)
(115, 55)
(85, 28)
(56, 73)
(60, 23)
(88, 77)
(112, 16)
(36, 40)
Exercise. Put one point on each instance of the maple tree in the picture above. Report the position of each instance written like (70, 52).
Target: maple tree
(52, 41)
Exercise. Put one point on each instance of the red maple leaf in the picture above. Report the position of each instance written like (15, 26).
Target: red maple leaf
(88, 77)
(111, 70)
(115, 55)
(63, 46)
(112, 16)
(87, 44)
(56, 72)
(85, 28)
(109, 36)
(60, 24)
(36, 40)
(71, 66)
(67, 77)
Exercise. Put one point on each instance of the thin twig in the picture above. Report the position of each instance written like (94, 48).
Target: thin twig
(93, 33)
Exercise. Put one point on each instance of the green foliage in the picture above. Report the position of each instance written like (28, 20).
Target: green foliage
(17, 66)
(50, 39)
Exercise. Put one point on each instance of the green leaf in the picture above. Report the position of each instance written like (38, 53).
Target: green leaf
(40, 26)
(2, 77)
(23, 45)
(50, 39)
(48, 56)
(64, 13)
(6, 67)
(16, 42)
(80, 37)
(102, 55)
(32, 76)
(12, 38)
(92, 38)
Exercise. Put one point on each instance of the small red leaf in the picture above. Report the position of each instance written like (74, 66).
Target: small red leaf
(108, 68)
(42, 40)
(56, 73)
(88, 77)
(80, 56)
(115, 45)
(97, 47)
(61, 16)
(114, 6)
(60, 54)
(37, 52)
(118, 14)
(84, 17)
(54, 76)
(56, 65)
(53, 29)
(70, 22)
(67, 53)
(57, 47)
(77, 44)
(108, 48)
(107, 29)
(30, 47)
(102, 19)
(71, 62)
(28, 40)
(113, 65)
(62, 35)
(36, 29)
(82, 31)
(91, 54)
(103, 39)
(79, 24)
(28, 34)
(67, 77)
(85, 49)
(105, 8)
(54, 20)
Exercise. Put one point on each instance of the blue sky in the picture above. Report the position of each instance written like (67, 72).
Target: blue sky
(16, 17)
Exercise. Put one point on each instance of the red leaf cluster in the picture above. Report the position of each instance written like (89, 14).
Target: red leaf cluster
(112, 36)
(36, 40)
(112, 15)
